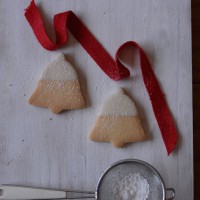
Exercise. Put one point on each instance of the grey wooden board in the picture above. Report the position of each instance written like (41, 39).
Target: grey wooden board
(37, 151)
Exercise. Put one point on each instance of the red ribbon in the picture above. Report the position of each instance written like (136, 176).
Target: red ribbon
(113, 68)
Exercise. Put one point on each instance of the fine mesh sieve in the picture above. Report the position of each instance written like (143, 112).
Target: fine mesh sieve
(124, 168)
(104, 188)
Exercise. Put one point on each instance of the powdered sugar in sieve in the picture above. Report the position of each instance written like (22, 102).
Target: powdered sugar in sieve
(132, 186)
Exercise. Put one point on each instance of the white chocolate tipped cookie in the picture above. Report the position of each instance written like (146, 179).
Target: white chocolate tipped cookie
(118, 122)
(58, 88)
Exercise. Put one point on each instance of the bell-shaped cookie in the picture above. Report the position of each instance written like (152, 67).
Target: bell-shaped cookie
(118, 122)
(58, 88)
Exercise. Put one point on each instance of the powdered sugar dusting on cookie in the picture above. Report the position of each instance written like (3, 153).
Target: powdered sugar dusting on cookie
(58, 88)
(59, 69)
(119, 104)
(118, 122)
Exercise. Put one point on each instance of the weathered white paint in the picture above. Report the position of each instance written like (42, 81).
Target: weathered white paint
(38, 148)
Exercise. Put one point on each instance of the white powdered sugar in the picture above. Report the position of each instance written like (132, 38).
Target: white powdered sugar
(59, 69)
(131, 187)
(119, 104)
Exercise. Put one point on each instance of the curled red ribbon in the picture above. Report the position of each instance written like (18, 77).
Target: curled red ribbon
(113, 68)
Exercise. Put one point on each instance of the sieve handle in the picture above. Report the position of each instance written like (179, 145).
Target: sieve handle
(172, 193)
(23, 192)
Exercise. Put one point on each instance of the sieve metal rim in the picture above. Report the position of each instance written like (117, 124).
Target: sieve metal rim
(154, 170)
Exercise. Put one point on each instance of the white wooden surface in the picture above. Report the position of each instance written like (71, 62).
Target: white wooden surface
(37, 151)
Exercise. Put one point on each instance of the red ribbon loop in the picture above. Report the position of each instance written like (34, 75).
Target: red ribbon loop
(114, 69)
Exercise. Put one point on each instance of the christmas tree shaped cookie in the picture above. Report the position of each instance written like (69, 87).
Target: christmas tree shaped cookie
(58, 88)
(118, 122)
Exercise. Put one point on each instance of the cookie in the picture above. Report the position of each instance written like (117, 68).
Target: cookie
(118, 122)
(58, 88)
